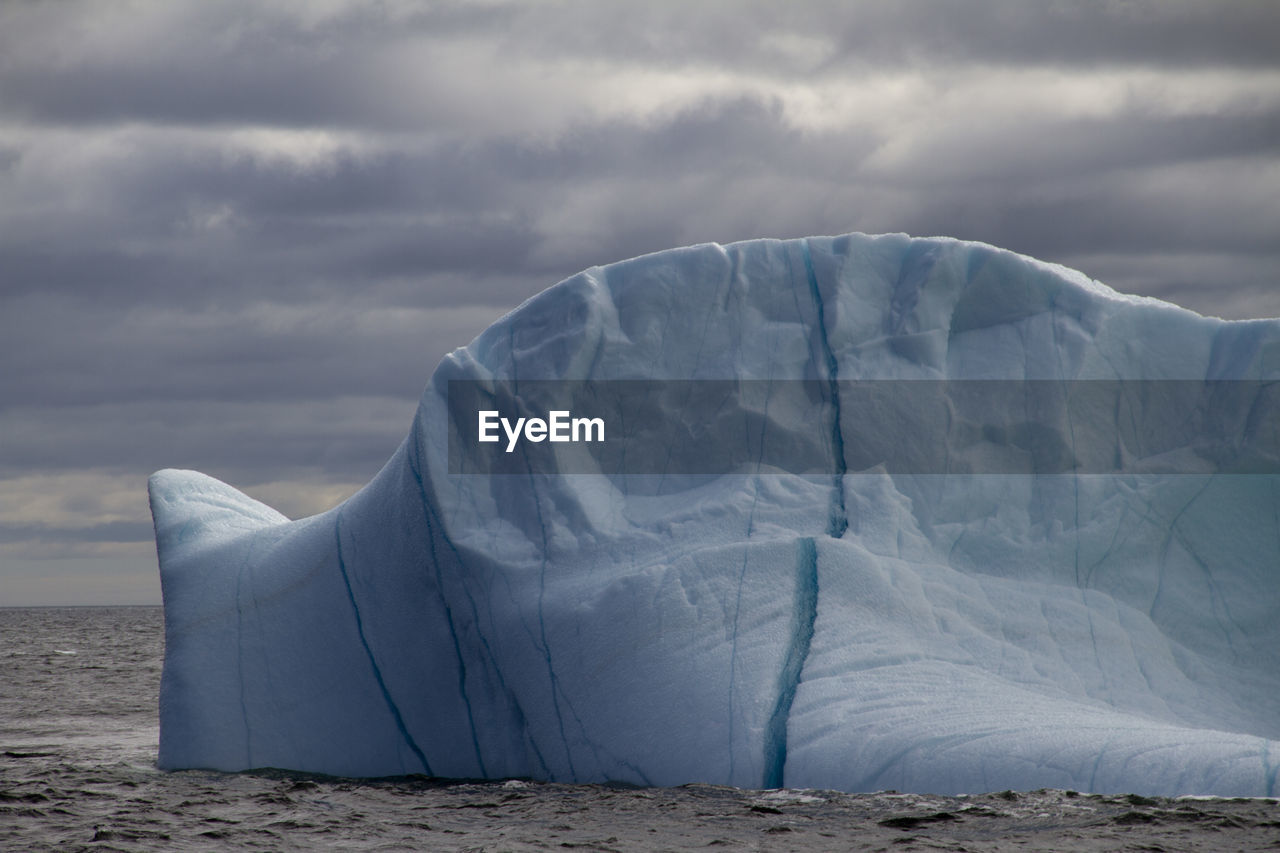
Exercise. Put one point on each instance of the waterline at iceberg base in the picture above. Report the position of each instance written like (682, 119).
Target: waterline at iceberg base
(854, 626)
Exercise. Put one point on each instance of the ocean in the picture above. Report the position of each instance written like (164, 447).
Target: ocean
(79, 727)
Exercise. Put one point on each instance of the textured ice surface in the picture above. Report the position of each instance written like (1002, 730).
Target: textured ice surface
(857, 630)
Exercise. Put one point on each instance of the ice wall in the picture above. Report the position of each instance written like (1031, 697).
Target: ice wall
(853, 628)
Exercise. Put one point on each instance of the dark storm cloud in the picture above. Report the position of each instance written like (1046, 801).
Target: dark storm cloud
(57, 354)
(221, 228)
(478, 208)
(238, 236)
(1161, 33)
(345, 438)
(299, 97)
(1046, 150)
(241, 62)
(372, 216)
(735, 136)
(116, 531)
(205, 63)
(356, 219)
(1113, 211)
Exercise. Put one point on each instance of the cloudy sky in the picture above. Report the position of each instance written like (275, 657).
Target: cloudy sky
(237, 236)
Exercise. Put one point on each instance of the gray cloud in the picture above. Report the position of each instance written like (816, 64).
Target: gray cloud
(285, 65)
(112, 357)
(344, 438)
(1179, 33)
(238, 237)
(115, 531)
(1161, 33)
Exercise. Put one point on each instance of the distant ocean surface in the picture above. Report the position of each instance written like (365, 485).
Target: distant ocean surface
(79, 729)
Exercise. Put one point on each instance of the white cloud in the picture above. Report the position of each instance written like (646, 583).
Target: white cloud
(301, 497)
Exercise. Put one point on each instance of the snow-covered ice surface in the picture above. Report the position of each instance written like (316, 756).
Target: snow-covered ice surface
(857, 630)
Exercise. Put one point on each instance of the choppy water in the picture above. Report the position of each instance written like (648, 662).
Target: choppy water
(79, 728)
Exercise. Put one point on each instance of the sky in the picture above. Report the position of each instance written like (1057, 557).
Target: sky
(238, 236)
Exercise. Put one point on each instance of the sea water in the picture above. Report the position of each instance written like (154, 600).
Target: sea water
(78, 738)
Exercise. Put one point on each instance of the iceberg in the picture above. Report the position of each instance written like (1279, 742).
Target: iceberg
(799, 555)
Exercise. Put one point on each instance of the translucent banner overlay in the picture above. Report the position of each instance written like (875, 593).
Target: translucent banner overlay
(714, 427)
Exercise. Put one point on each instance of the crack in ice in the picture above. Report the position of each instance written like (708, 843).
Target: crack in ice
(373, 663)
(804, 615)
(837, 520)
(428, 513)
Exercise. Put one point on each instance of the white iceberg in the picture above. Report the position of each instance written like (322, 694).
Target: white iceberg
(859, 627)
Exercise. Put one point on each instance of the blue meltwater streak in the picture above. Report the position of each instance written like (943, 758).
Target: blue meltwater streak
(804, 613)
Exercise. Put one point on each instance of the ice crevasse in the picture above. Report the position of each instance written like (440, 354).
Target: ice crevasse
(860, 627)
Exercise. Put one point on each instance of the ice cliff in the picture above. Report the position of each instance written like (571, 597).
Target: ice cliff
(924, 625)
